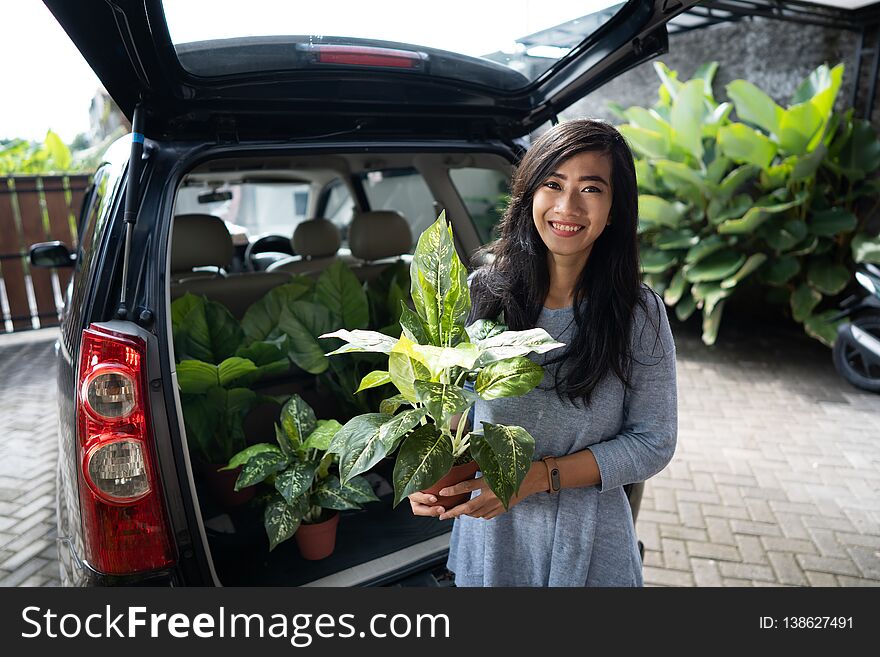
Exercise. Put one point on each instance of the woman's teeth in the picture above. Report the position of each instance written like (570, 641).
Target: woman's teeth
(566, 228)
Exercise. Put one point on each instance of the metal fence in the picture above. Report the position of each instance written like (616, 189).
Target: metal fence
(35, 209)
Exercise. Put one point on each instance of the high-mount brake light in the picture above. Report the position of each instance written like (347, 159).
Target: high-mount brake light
(366, 56)
(125, 526)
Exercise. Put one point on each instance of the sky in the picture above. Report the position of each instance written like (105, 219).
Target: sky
(48, 85)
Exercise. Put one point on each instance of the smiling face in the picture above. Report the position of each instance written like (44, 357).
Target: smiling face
(572, 205)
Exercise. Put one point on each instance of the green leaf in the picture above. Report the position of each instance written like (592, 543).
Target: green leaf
(660, 212)
(828, 223)
(374, 379)
(485, 328)
(282, 520)
(715, 119)
(682, 179)
(676, 289)
(412, 326)
(246, 454)
(268, 358)
(330, 495)
(358, 444)
(757, 215)
(781, 271)
(504, 454)
(734, 180)
(438, 359)
(59, 153)
(654, 261)
(805, 166)
(706, 73)
(648, 119)
(645, 142)
(669, 78)
(323, 434)
(195, 376)
(708, 295)
(234, 368)
(262, 317)
(820, 327)
(782, 234)
(295, 480)
(358, 340)
(682, 238)
(742, 144)
(827, 276)
(340, 291)
(752, 264)
(687, 118)
(443, 400)
(391, 404)
(303, 322)
(511, 377)
(860, 153)
(711, 323)
(515, 343)
(297, 420)
(798, 125)
(706, 247)
(397, 427)
(258, 467)
(866, 248)
(404, 370)
(358, 490)
(803, 300)
(685, 307)
(203, 330)
(718, 212)
(424, 457)
(755, 106)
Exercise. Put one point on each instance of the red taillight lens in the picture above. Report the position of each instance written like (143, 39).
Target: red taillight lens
(124, 521)
(366, 56)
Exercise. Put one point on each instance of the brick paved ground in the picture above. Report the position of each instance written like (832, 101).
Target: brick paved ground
(776, 479)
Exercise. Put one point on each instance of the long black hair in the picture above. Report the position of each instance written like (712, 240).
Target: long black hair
(516, 278)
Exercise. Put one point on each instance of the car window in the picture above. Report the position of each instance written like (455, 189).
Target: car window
(339, 207)
(485, 193)
(258, 208)
(403, 190)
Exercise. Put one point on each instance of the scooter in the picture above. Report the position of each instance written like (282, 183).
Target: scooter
(856, 351)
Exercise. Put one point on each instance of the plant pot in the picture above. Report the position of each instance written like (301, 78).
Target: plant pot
(221, 485)
(456, 475)
(317, 540)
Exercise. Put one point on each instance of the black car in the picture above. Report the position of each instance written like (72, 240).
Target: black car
(238, 144)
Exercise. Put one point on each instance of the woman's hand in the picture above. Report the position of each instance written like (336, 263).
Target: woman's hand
(423, 505)
(487, 505)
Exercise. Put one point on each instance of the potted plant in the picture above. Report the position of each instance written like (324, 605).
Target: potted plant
(307, 494)
(429, 364)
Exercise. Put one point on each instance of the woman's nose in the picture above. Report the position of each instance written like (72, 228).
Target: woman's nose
(569, 203)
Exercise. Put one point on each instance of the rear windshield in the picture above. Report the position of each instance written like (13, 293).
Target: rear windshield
(522, 37)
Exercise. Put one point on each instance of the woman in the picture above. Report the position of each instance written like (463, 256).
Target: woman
(606, 411)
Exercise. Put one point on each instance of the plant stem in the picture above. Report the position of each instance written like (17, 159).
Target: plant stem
(460, 429)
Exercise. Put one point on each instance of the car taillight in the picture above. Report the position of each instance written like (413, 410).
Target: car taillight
(365, 56)
(124, 523)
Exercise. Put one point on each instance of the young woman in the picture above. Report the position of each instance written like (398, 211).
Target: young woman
(605, 415)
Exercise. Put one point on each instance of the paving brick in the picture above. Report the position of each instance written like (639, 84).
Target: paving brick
(867, 560)
(706, 572)
(684, 533)
(754, 528)
(831, 565)
(719, 531)
(667, 577)
(787, 569)
(24, 553)
(714, 551)
(746, 571)
(781, 544)
(674, 554)
(751, 549)
(820, 578)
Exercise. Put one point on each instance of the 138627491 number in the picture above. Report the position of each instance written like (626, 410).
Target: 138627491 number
(816, 622)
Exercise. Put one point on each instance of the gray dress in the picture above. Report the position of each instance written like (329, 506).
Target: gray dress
(580, 536)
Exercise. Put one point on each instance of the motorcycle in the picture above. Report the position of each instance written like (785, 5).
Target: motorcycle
(856, 351)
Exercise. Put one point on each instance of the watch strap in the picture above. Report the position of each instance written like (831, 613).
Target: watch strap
(552, 474)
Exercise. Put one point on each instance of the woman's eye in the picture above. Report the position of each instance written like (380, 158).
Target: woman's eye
(591, 187)
(551, 184)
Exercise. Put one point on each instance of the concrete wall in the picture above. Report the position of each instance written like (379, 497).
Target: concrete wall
(774, 55)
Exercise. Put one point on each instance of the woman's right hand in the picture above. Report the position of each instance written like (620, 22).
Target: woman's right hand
(424, 505)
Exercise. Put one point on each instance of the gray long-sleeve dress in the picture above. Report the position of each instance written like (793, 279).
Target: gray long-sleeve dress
(580, 536)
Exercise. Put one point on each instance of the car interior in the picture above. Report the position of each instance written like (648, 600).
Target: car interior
(244, 225)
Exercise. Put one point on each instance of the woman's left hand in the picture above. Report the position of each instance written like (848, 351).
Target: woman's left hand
(487, 505)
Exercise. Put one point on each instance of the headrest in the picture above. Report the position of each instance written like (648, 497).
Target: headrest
(316, 238)
(199, 240)
(379, 234)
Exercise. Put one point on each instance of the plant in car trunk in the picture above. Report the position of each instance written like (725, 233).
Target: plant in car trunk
(782, 197)
(298, 468)
(428, 365)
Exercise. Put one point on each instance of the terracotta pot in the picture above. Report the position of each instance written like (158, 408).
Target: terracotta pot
(222, 486)
(456, 475)
(318, 540)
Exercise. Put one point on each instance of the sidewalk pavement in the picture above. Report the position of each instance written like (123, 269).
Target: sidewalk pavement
(775, 481)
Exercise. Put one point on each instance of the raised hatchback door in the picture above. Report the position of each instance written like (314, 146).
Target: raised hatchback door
(251, 68)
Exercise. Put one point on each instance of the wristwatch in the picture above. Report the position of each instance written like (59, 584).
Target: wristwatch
(552, 474)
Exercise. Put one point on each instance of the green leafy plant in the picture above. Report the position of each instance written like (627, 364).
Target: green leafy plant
(19, 156)
(298, 469)
(428, 364)
(781, 198)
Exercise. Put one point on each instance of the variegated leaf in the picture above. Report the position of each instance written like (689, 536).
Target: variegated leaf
(259, 467)
(282, 519)
(295, 481)
(515, 343)
(394, 429)
(358, 444)
(507, 453)
(359, 340)
(508, 378)
(424, 457)
(330, 495)
(322, 435)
